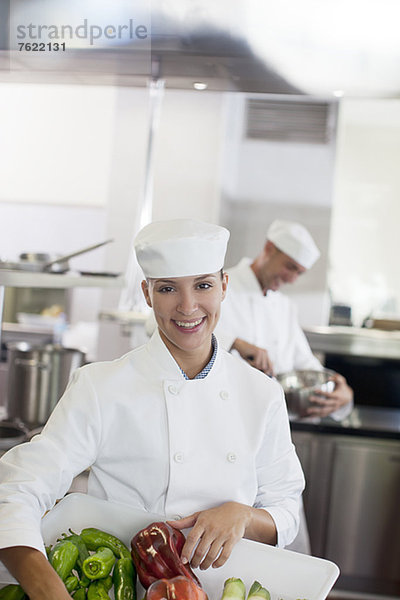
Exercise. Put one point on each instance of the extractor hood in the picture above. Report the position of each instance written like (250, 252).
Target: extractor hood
(275, 46)
(180, 54)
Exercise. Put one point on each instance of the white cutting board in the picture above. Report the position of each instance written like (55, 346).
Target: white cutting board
(287, 575)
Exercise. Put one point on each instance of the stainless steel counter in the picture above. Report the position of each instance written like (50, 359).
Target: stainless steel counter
(368, 358)
(351, 499)
(365, 421)
(355, 341)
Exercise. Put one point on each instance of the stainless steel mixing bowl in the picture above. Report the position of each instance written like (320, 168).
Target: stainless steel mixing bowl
(300, 385)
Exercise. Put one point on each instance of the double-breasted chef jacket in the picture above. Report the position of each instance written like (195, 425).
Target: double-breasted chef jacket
(269, 321)
(158, 442)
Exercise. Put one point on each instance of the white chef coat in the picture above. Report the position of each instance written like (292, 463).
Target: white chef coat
(269, 322)
(158, 442)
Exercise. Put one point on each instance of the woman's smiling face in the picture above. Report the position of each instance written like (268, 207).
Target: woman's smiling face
(186, 309)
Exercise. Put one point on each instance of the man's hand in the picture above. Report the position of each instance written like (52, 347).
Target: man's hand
(326, 403)
(255, 356)
(215, 532)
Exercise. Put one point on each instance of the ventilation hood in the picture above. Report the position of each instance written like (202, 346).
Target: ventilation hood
(181, 55)
(220, 60)
(275, 46)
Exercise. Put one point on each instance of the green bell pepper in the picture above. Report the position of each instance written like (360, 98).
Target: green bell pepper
(99, 565)
(63, 557)
(98, 590)
(124, 578)
(12, 591)
(94, 538)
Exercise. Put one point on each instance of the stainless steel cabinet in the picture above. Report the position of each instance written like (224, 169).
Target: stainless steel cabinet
(316, 455)
(352, 505)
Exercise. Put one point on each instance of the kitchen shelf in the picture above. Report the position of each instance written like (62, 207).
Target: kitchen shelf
(29, 279)
(9, 278)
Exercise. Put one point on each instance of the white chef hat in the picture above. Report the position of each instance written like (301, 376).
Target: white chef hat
(180, 247)
(294, 240)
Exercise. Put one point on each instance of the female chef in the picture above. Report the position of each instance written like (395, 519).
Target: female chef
(166, 428)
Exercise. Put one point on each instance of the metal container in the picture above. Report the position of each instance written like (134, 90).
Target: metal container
(300, 385)
(38, 261)
(37, 378)
(43, 262)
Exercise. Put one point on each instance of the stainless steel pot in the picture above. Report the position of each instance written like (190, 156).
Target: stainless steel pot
(37, 377)
(300, 385)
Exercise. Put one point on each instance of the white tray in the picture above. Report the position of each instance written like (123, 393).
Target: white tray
(287, 575)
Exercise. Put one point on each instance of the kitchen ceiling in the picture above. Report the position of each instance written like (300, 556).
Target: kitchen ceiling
(280, 47)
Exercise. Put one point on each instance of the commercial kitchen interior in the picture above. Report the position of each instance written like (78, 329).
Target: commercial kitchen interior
(236, 113)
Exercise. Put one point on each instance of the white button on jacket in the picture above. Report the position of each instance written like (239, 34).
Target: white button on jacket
(178, 457)
(121, 419)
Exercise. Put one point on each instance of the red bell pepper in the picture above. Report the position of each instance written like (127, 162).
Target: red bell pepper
(177, 588)
(156, 553)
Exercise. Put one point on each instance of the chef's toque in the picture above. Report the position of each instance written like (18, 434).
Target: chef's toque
(180, 247)
(294, 240)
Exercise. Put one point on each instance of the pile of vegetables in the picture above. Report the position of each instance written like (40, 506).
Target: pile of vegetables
(234, 589)
(156, 552)
(89, 564)
(92, 562)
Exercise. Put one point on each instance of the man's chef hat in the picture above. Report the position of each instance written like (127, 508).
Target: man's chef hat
(294, 240)
(181, 247)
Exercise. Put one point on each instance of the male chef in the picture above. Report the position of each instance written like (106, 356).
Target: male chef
(260, 322)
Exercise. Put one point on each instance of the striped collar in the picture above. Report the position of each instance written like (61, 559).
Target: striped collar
(204, 372)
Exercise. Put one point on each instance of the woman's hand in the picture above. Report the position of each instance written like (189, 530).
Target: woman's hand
(215, 532)
(257, 357)
(328, 402)
(34, 572)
